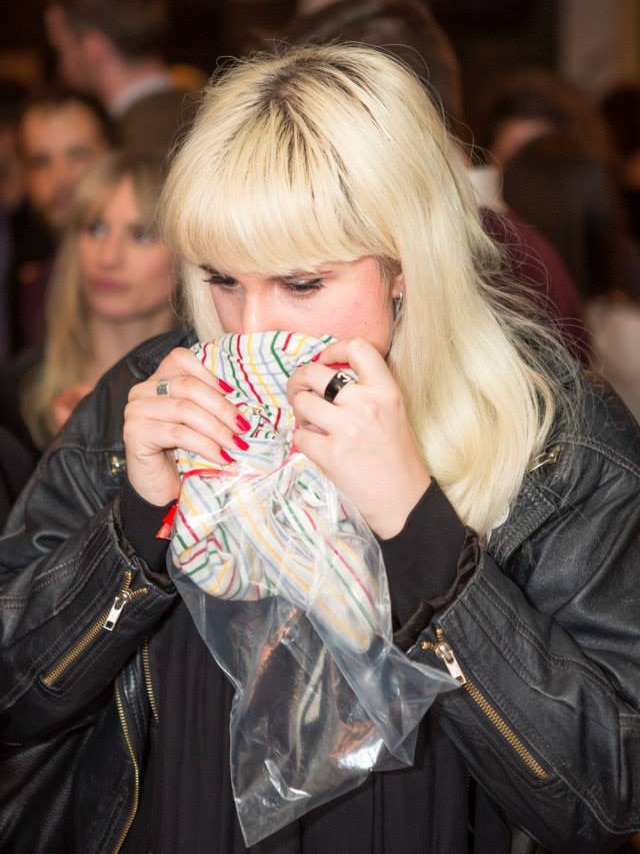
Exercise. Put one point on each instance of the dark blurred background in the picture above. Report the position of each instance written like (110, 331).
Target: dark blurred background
(595, 42)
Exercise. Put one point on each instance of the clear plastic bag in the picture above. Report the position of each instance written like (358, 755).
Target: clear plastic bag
(286, 584)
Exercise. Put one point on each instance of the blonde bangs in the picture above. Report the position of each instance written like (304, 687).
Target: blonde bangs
(268, 209)
(261, 185)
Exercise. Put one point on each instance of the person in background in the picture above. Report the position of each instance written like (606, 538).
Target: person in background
(620, 108)
(408, 30)
(405, 28)
(533, 101)
(319, 192)
(115, 51)
(556, 182)
(61, 134)
(113, 285)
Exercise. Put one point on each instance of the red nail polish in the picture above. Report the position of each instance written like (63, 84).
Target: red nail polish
(316, 356)
(242, 423)
(226, 388)
(226, 457)
(240, 443)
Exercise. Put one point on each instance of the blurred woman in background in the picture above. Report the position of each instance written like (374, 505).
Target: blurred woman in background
(114, 286)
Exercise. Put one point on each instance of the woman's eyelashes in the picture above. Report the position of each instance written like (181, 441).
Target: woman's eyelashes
(298, 285)
(301, 287)
(96, 228)
(142, 234)
(215, 278)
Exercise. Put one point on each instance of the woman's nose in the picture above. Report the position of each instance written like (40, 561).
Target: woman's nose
(257, 313)
(111, 250)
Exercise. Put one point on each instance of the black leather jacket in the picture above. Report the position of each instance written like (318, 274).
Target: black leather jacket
(546, 635)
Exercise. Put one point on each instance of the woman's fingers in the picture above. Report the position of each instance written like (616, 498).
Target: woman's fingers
(361, 439)
(180, 362)
(183, 390)
(181, 405)
(353, 356)
(358, 355)
(167, 419)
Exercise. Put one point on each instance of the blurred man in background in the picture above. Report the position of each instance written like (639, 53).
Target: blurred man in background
(115, 50)
(61, 134)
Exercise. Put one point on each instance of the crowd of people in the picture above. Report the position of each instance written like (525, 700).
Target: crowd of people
(69, 312)
(474, 395)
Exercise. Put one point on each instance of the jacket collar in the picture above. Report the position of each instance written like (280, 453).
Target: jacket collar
(145, 359)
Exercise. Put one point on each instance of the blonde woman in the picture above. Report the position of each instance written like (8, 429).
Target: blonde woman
(114, 285)
(319, 192)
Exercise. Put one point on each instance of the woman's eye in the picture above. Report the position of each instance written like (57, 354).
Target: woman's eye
(144, 235)
(97, 228)
(214, 278)
(303, 286)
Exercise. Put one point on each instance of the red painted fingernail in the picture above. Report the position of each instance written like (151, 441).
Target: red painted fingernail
(226, 457)
(316, 357)
(242, 423)
(240, 443)
(226, 388)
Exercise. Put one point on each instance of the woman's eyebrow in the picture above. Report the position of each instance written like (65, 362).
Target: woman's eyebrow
(212, 271)
(321, 270)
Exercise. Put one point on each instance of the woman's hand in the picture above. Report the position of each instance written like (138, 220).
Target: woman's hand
(193, 414)
(362, 441)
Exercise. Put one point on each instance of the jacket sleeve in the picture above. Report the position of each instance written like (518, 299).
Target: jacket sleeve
(75, 599)
(546, 636)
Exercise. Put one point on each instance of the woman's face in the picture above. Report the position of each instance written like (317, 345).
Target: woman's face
(127, 273)
(343, 299)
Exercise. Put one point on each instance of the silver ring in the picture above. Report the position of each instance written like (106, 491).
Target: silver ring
(162, 387)
(337, 382)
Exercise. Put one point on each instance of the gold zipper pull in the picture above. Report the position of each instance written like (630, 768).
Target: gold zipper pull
(550, 456)
(116, 610)
(445, 653)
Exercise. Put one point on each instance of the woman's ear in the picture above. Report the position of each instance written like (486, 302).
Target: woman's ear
(397, 295)
(397, 285)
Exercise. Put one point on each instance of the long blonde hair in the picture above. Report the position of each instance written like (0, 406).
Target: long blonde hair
(330, 153)
(68, 347)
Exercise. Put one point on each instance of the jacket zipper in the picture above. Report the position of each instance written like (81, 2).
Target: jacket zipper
(444, 652)
(106, 622)
(146, 666)
(148, 681)
(545, 458)
(136, 769)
